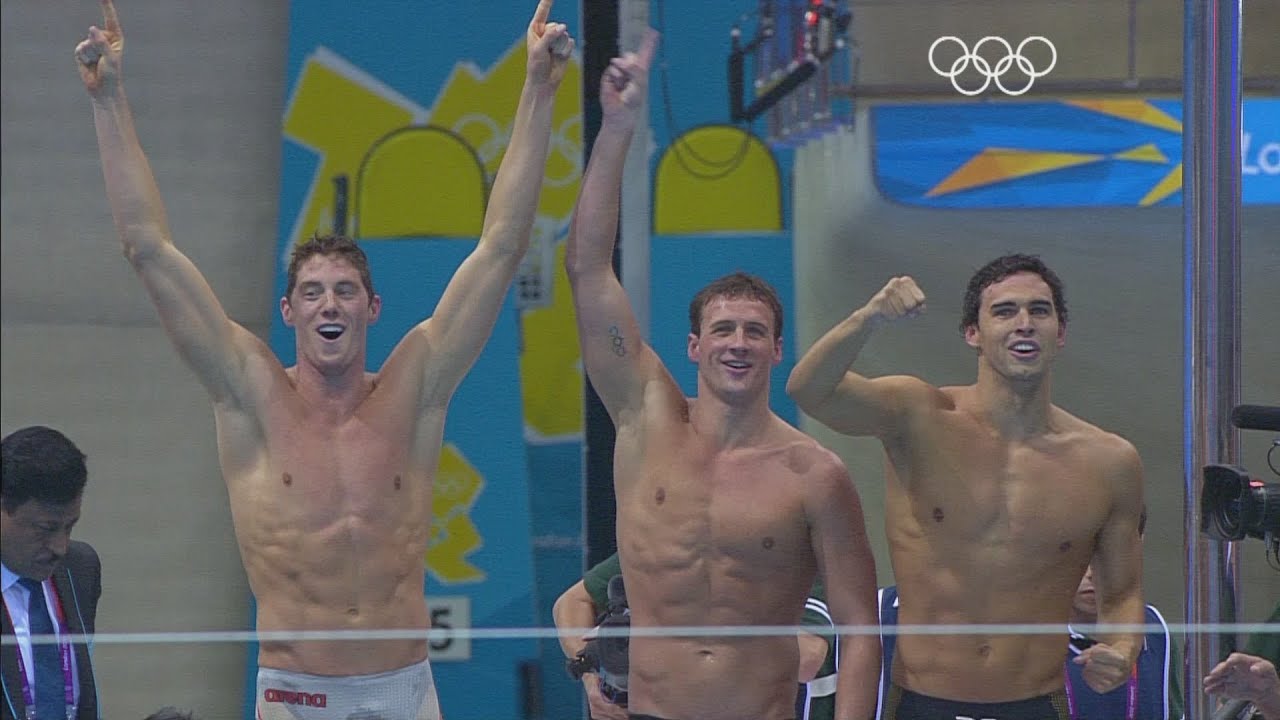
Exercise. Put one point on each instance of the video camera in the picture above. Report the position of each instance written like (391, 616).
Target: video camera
(1234, 505)
(606, 652)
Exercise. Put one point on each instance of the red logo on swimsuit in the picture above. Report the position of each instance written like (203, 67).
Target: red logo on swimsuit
(293, 697)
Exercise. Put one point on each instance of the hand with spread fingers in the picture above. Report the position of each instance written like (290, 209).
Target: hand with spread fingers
(550, 47)
(626, 83)
(98, 55)
(1247, 677)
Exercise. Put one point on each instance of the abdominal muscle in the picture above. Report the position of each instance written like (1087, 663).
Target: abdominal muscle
(350, 575)
(980, 667)
(713, 678)
(704, 674)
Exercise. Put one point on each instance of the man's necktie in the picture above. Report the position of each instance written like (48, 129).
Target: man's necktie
(49, 688)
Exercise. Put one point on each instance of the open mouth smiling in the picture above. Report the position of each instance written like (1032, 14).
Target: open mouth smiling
(1024, 348)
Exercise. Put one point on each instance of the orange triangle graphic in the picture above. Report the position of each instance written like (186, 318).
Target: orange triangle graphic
(1143, 153)
(994, 165)
(1167, 186)
(1139, 111)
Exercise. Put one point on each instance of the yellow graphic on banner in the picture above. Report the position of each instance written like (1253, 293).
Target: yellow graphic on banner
(1147, 152)
(1168, 185)
(373, 144)
(420, 182)
(480, 108)
(453, 535)
(1139, 111)
(996, 164)
(551, 368)
(339, 140)
(717, 178)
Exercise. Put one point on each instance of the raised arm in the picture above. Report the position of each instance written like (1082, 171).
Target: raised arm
(848, 569)
(617, 360)
(1117, 573)
(824, 386)
(213, 345)
(468, 309)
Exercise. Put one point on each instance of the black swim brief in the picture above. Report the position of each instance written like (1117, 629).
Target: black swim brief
(902, 704)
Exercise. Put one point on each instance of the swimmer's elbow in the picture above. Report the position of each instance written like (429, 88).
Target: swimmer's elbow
(840, 408)
(807, 394)
(137, 249)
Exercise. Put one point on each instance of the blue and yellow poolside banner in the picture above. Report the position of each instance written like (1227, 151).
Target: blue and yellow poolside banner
(397, 118)
(1116, 152)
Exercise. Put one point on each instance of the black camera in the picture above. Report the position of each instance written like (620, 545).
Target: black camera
(607, 653)
(1233, 505)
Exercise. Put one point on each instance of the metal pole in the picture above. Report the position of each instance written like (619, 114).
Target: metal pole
(600, 45)
(1211, 209)
(633, 220)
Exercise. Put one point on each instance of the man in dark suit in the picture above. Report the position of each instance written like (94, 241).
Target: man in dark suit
(51, 584)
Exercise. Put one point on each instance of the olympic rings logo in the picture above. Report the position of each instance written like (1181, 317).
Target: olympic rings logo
(988, 71)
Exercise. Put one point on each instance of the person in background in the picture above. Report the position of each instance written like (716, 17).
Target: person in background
(1249, 679)
(51, 583)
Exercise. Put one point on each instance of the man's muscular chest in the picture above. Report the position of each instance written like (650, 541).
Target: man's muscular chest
(317, 474)
(743, 505)
(1025, 496)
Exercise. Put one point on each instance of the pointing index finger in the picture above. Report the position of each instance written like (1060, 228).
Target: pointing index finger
(109, 18)
(539, 16)
(648, 45)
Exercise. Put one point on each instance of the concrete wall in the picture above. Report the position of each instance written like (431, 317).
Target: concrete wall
(1092, 37)
(82, 347)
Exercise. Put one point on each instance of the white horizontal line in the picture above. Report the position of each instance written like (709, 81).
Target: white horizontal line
(524, 633)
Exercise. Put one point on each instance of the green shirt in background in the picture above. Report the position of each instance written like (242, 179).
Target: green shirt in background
(1267, 644)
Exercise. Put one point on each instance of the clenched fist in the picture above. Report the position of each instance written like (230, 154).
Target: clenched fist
(899, 298)
(1105, 668)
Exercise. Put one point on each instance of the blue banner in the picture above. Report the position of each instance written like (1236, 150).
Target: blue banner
(1074, 153)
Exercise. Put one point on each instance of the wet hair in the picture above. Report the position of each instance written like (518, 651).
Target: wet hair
(736, 285)
(1001, 268)
(330, 245)
(40, 463)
